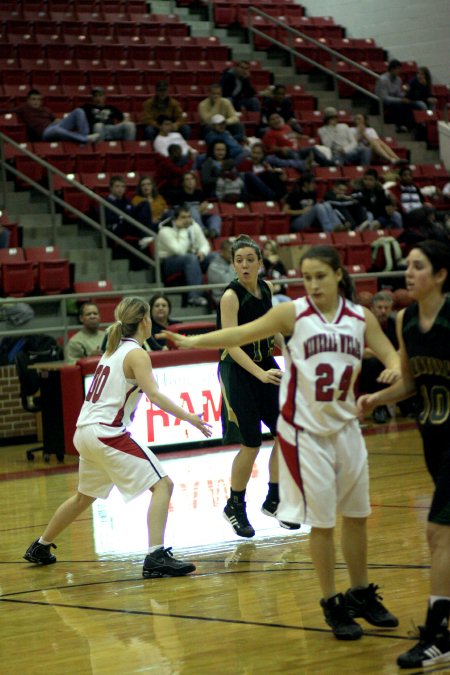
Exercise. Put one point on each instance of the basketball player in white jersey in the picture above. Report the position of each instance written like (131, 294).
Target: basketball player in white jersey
(323, 458)
(108, 454)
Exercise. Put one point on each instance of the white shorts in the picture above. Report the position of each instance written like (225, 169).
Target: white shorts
(106, 461)
(321, 476)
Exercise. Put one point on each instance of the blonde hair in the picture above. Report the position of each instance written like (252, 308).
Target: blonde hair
(128, 313)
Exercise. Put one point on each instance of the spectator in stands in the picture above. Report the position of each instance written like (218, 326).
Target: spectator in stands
(160, 308)
(221, 270)
(305, 211)
(397, 104)
(163, 105)
(282, 146)
(4, 236)
(183, 248)
(338, 137)
(212, 167)
(170, 171)
(167, 136)
(200, 209)
(348, 207)
(420, 90)
(88, 340)
(274, 271)
(276, 100)
(230, 186)
(237, 87)
(219, 133)
(263, 182)
(367, 137)
(115, 223)
(149, 207)
(107, 120)
(406, 195)
(215, 104)
(42, 124)
(380, 211)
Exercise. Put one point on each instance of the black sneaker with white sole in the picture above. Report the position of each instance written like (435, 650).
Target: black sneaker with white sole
(431, 650)
(236, 514)
(161, 563)
(40, 553)
(269, 508)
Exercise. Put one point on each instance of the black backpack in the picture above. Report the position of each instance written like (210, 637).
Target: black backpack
(36, 349)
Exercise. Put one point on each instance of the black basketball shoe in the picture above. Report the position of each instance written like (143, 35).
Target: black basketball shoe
(269, 508)
(339, 620)
(236, 514)
(40, 553)
(429, 651)
(161, 563)
(366, 603)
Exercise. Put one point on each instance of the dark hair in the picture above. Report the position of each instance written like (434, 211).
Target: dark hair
(244, 241)
(210, 151)
(330, 256)
(181, 208)
(33, 92)
(303, 180)
(402, 170)
(427, 75)
(154, 188)
(277, 87)
(394, 63)
(156, 297)
(438, 253)
(116, 179)
(128, 314)
(83, 306)
(371, 172)
(163, 118)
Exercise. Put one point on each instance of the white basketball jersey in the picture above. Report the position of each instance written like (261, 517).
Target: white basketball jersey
(111, 398)
(322, 362)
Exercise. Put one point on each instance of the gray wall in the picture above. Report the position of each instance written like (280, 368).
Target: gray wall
(415, 30)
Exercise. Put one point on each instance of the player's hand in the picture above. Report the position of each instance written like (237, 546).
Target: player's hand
(272, 376)
(198, 423)
(179, 341)
(364, 405)
(389, 376)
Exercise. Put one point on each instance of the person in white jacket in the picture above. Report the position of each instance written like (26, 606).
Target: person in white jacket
(183, 248)
(338, 137)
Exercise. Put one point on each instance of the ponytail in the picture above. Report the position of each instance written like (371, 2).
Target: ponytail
(128, 313)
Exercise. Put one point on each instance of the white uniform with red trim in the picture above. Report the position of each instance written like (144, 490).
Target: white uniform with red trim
(323, 463)
(108, 454)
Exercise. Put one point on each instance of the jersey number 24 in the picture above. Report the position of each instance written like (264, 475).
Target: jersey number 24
(325, 382)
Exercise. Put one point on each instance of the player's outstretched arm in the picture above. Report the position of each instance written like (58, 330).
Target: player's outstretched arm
(280, 319)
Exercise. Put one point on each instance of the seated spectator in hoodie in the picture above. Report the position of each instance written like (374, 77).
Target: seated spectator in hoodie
(42, 125)
(170, 171)
(338, 137)
(277, 101)
(114, 222)
(406, 195)
(420, 90)
(349, 208)
(282, 146)
(149, 207)
(194, 198)
(236, 86)
(217, 158)
(263, 181)
(215, 104)
(183, 248)
(230, 186)
(107, 120)
(397, 104)
(167, 137)
(273, 270)
(379, 208)
(305, 211)
(219, 133)
(163, 105)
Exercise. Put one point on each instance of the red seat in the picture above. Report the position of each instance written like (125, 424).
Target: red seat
(12, 254)
(41, 253)
(53, 276)
(17, 278)
(317, 238)
(92, 286)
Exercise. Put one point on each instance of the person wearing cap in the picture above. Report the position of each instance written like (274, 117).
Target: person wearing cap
(338, 137)
(107, 120)
(163, 105)
(215, 104)
(220, 134)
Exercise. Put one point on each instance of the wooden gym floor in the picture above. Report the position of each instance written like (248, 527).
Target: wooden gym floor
(251, 607)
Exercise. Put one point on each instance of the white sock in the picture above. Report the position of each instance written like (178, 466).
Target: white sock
(152, 549)
(43, 542)
(434, 598)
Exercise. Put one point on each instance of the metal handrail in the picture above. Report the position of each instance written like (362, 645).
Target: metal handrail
(55, 199)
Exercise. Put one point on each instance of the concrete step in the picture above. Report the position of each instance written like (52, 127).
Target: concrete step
(35, 220)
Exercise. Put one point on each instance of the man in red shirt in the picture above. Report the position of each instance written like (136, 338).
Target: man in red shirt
(282, 145)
